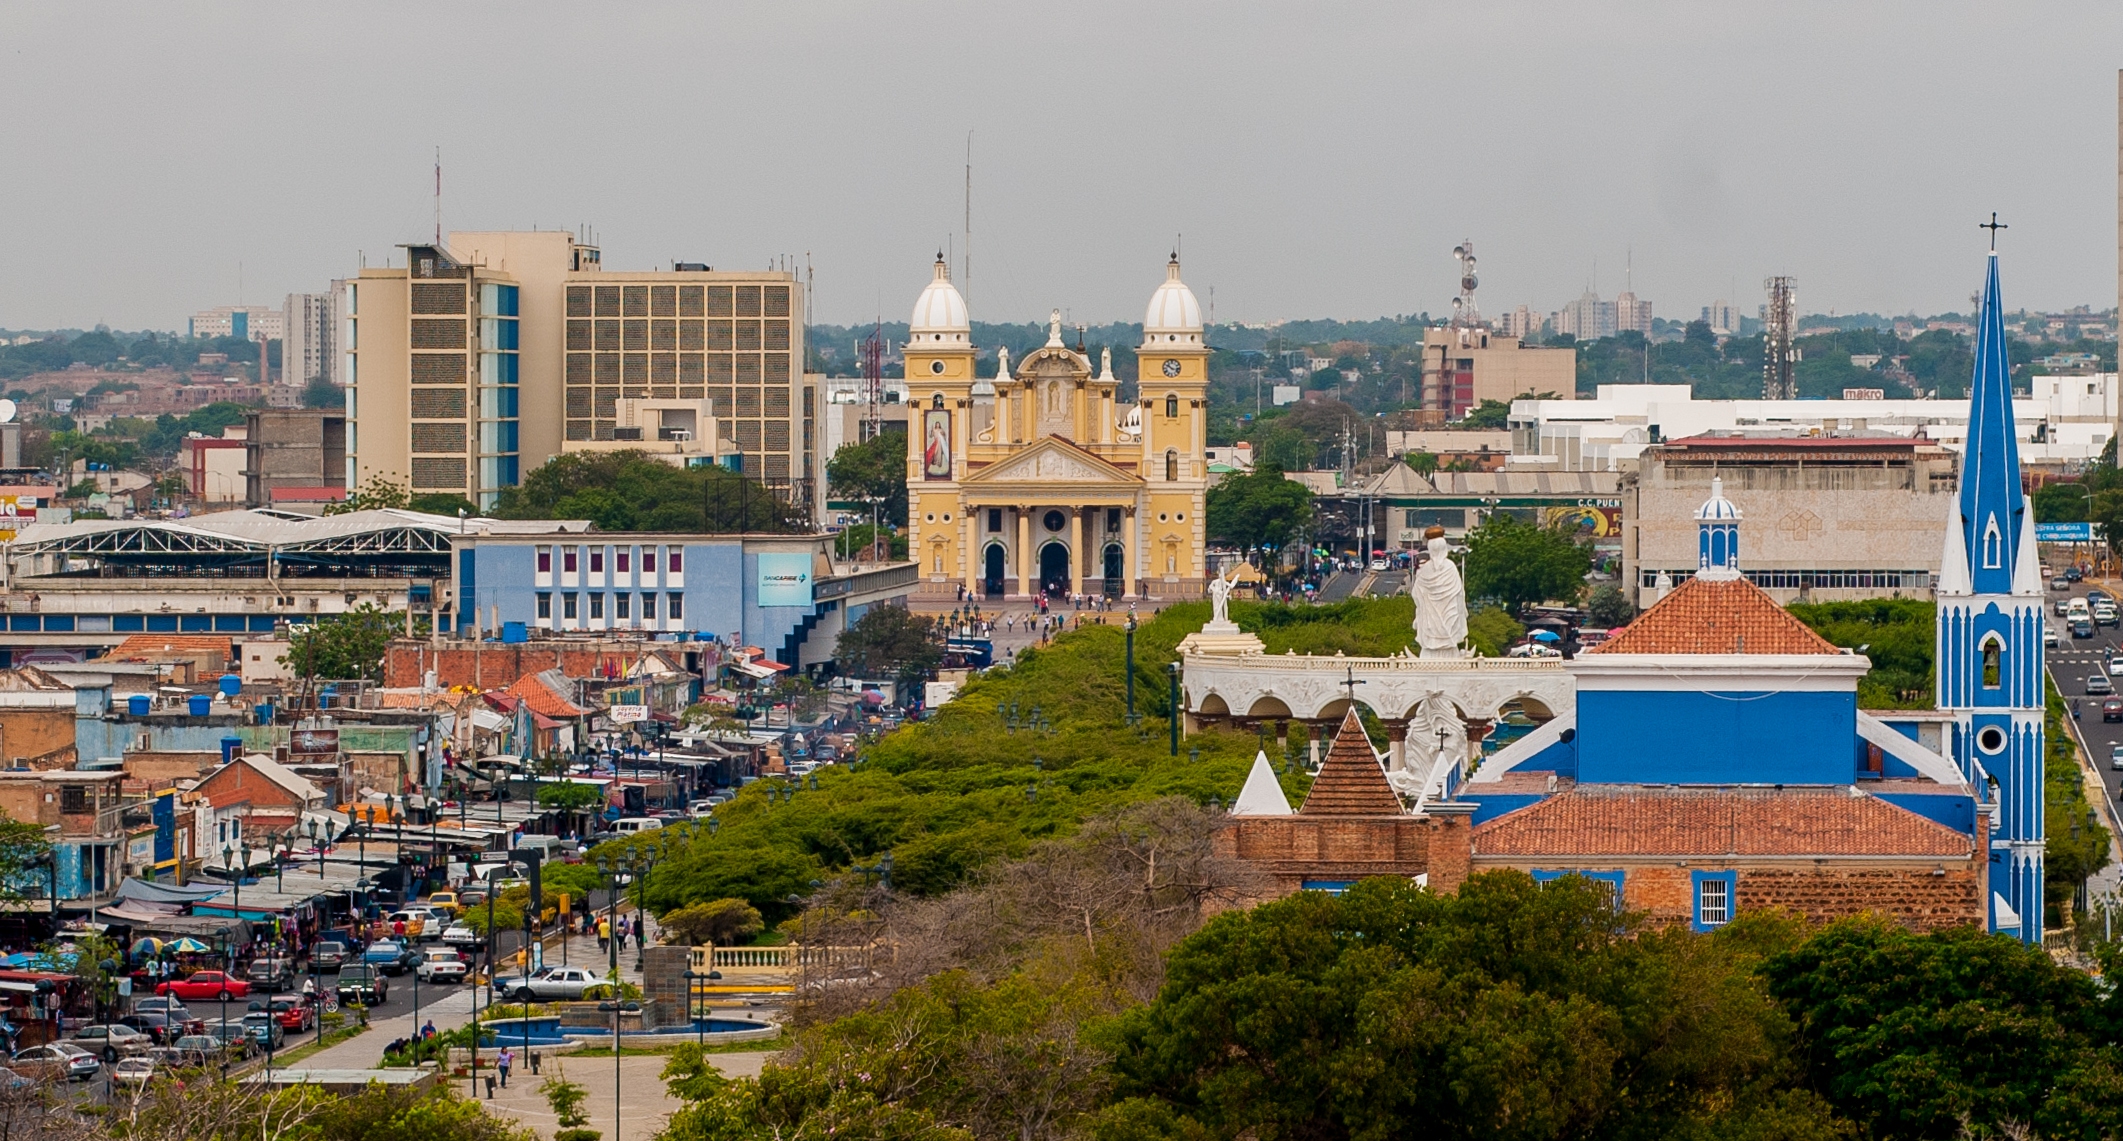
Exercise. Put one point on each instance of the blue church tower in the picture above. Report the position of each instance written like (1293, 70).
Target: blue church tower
(1717, 535)
(1989, 651)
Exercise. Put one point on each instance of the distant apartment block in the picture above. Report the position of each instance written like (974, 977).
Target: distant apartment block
(244, 322)
(292, 455)
(1723, 317)
(1463, 367)
(306, 345)
(484, 357)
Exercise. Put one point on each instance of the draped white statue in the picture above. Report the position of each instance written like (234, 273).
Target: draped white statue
(1220, 600)
(1440, 603)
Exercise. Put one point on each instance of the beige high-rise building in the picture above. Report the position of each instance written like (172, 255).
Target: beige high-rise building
(482, 359)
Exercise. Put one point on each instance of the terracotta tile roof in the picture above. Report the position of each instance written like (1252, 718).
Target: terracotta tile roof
(1634, 820)
(537, 691)
(1350, 781)
(1711, 616)
(140, 645)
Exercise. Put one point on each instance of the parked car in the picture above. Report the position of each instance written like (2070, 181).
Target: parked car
(264, 1030)
(2112, 709)
(460, 935)
(56, 1061)
(635, 825)
(330, 955)
(446, 900)
(205, 986)
(12, 1082)
(2098, 685)
(296, 1014)
(159, 1027)
(362, 985)
(199, 1049)
(231, 1038)
(112, 1041)
(173, 1009)
(566, 983)
(271, 975)
(134, 1071)
(389, 956)
(443, 966)
(415, 921)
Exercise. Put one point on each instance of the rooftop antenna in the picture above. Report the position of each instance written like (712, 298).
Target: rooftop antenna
(1465, 314)
(873, 377)
(438, 197)
(965, 276)
(1779, 324)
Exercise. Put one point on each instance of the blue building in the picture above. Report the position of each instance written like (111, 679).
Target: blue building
(1717, 759)
(783, 593)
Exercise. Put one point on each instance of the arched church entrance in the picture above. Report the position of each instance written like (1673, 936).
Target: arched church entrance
(1114, 585)
(992, 571)
(1054, 569)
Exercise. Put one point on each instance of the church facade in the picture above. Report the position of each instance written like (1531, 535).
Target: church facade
(1042, 480)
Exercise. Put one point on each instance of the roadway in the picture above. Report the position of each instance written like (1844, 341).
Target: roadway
(2071, 661)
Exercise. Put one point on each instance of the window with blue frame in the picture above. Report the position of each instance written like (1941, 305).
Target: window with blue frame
(1613, 879)
(1715, 893)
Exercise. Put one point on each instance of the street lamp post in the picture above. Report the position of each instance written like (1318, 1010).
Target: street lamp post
(318, 831)
(1131, 667)
(641, 932)
(222, 934)
(615, 1008)
(1172, 672)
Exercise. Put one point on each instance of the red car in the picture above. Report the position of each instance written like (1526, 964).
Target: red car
(295, 1014)
(205, 986)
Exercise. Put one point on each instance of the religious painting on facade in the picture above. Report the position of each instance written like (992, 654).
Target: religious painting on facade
(936, 443)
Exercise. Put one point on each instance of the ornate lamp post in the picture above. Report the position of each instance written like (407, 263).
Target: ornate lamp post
(647, 862)
(615, 1009)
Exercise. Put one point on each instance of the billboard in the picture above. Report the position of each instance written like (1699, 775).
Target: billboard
(16, 512)
(313, 742)
(627, 714)
(1594, 522)
(2068, 532)
(784, 579)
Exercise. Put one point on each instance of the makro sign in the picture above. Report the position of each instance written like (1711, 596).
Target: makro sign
(784, 579)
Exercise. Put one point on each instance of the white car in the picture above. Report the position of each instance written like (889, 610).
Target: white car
(2115, 667)
(1380, 565)
(460, 935)
(134, 1071)
(443, 966)
(2049, 636)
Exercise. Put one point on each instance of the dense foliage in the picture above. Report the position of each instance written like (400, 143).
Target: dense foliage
(891, 642)
(1896, 633)
(348, 645)
(873, 472)
(630, 491)
(1519, 564)
(1258, 509)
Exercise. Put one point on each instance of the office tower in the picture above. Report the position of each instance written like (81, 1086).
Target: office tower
(484, 357)
(244, 322)
(306, 337)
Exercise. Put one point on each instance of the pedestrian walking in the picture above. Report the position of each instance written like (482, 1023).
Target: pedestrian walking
(604, 933)
(502, 1063)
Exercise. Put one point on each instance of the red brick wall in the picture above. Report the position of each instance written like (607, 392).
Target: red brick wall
(1820, 892)
(492, 665)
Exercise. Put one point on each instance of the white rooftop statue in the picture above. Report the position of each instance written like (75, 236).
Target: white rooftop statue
(1263, 795)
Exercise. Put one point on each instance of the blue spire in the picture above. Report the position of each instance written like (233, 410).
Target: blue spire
(1992, 506)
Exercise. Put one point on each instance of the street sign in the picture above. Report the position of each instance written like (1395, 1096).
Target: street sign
(2068, 532)
(627, 714)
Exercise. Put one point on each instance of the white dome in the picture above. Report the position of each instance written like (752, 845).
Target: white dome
(940, 313)
(1717, 507)
(1174, 316)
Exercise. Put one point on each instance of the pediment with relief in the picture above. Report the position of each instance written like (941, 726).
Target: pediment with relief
(1051, 462)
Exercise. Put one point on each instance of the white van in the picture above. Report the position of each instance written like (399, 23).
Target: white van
(635, 825)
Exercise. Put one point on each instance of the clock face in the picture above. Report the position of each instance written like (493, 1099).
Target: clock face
(1171, 368)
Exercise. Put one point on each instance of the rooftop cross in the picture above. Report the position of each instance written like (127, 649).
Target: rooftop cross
(1351, 683)
(1993, 226)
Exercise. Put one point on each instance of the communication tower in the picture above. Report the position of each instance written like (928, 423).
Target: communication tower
(1464, 313)
(873, 381)
(1780, 355)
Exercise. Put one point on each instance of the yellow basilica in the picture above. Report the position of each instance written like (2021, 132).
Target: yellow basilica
(1040, 480)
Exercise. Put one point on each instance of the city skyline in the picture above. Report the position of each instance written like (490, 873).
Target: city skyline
(1308, 167)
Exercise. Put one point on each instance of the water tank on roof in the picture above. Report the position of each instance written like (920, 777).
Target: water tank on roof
(514, 633)
(231, 685)
(199, 704)
(137, 705)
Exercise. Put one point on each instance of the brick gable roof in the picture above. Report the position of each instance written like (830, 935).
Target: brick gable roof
(542, 692)
(1714, 822)
(1350, 781)
(139, 644)
(1713, 616)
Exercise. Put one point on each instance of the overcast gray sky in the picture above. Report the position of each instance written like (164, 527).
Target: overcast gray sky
(1321, 159)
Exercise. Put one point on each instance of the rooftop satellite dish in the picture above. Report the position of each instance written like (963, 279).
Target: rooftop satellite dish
(7, 411)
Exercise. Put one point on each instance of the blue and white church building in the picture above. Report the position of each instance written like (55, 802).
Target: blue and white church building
(1989, 655)
(1717, 760)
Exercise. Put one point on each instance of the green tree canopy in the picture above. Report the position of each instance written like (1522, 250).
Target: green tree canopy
(1488, 414)
(875, 470)
(1507, 1010)
(631, 491)
(1260, 508)
(1520, 564)
(348, 645)
(891, 641)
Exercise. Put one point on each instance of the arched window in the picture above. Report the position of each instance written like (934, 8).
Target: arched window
(1993, 662)
(1993, 545)
(1171, 465)
(1171, 407)
(936, 401)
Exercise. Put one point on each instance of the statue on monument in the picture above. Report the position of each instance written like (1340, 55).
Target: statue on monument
(1440, 602)
(1220, 600)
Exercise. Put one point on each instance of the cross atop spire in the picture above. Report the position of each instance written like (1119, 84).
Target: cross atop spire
(1993, 226)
